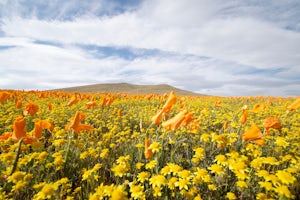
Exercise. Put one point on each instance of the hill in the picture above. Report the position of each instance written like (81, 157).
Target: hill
(130, 89)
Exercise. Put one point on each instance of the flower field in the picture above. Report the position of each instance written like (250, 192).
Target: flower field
(59, 145)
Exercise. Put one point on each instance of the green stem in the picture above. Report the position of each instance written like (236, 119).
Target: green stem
(70, 136)
(17, 157)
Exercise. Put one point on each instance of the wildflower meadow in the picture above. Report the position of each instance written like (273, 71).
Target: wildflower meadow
(64, 145)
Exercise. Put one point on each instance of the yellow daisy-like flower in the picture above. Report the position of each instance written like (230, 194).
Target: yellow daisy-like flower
(137, 192)
(221, 159)
(157, 192)
(104, 153)
(267, 185)
(217, 169)
(262, 173)
(151, 164)
(155, 147)
(118, 194)
(261, 196)
(157, 180)
(285, 177)
(182, 184)
(171, 183)
(120, 170)
(16, 176)
(46, 192)
(139, 165)
(284, 191)
(241, 184)
(270, 161)
(165, 170)
(230, 196)
(174, 168)
(143, 176)
(199, 153)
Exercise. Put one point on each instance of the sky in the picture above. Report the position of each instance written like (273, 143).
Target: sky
(214, 47)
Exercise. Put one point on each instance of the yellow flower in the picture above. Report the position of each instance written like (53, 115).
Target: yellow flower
(46, 192)
(16, 176)
(230, 196)
(137, 192)
(241, 184)
(217, 169)
(120, 170)
(139, 165)
(182, 184)
(151, 164)
(284, 191)
(285, 177)
(262, 173)
(157, 191)
(143, 176)
(212, 187)
(104, 153)
(261, 196)
(267, 185)
(174, 168)
(221, 159)
(119, 194)
(155, 147)
(171, 183)
(199, 153)
(157, 180)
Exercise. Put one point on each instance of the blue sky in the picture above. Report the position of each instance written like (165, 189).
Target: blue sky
(215, 47)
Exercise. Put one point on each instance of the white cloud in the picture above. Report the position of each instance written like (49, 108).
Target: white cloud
(231, 35)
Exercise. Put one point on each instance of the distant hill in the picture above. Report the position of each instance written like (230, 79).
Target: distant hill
(130, 89)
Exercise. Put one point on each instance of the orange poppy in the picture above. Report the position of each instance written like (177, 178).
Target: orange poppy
(31, 109)
(19, 128)
(271, 122)
(120, 114)
(295, 105)
(104, 101)
(5, 136)
(170, 101)
(173, 123)
(50, 106)
(243, 118)
(73, 100)
(4, 96)
(157, 118)
(187, 119)
(258, 107)
(253, 134)
(19, 104)
(76, 125)
(91, 104)
(39, 126)
(148, 152)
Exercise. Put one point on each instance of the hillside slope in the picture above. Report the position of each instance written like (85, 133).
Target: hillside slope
(130, 89)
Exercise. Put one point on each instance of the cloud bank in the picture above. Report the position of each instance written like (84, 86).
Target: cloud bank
(212, 47)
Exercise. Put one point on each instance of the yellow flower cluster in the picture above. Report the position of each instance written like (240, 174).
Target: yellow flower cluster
(64, 145)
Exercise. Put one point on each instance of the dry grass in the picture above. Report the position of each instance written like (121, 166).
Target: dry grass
(130, 89)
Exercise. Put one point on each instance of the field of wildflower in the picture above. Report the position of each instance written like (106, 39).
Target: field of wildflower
(59, 145)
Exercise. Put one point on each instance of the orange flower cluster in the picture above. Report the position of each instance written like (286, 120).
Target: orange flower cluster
(271, 122)
(31, 109)
(76, 124)
(73, 100)
(183, 118)
(254, 134)
(39, 126)
(148, 152)
(4, 96)
(295, 105)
